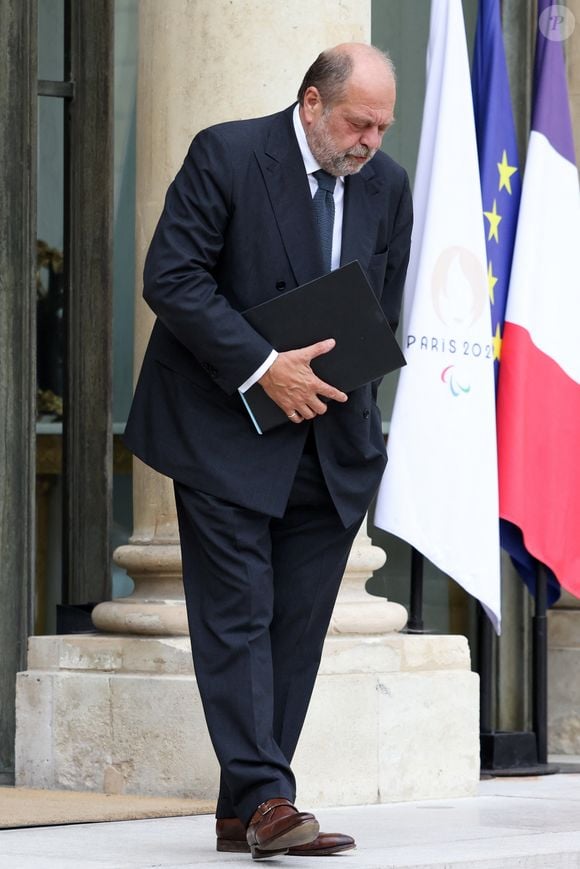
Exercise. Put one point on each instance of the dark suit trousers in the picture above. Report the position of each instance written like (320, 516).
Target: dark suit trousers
(260, 593)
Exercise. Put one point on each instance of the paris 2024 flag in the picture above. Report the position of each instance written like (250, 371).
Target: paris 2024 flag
(539, 380)
(439, 491)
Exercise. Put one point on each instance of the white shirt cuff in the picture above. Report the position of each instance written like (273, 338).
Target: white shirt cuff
(259, 373)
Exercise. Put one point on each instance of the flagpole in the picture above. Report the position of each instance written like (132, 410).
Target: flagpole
(485, 667)
(415, 624)
(540, 663)
(513, 753)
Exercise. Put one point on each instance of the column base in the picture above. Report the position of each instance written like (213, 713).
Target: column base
(563, 681)
(392, 718)
(157, 606)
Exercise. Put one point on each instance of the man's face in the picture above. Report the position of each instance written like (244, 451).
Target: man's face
(347, 134)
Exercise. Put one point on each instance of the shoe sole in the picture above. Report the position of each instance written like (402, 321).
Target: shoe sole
(257, 854)
(231, 846)
(301, 834)
(320, 852)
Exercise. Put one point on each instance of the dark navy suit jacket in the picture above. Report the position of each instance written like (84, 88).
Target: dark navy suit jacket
(238, 229)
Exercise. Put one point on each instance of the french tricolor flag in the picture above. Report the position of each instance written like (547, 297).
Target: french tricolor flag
(538, 412)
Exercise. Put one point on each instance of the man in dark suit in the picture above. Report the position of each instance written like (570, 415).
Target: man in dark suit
(266, 522)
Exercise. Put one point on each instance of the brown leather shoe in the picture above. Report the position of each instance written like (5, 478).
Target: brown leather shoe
(231, 836)
(276, 826)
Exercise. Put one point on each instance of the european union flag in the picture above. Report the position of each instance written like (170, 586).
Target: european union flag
(498, 160)
(501, 191)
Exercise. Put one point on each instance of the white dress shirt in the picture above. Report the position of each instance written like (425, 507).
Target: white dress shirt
(311, 165)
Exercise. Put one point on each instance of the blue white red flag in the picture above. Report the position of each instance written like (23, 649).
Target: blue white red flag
(539, 381)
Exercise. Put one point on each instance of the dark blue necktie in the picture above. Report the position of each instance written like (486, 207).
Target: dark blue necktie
(323, 202)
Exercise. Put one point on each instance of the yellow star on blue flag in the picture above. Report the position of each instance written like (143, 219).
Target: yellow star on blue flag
(499, 173)
(505, 173)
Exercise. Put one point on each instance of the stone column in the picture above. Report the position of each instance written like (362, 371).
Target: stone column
(357, 612)
(573, 61)
(190, 77)
(18, 136)
(564, 619)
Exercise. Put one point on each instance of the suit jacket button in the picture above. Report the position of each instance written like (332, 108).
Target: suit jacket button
(366, 414)
(280, 285)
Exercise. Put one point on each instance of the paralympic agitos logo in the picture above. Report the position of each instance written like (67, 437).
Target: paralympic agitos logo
(458, 296)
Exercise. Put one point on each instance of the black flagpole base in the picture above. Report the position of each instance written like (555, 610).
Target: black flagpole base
(412, 629)
(514, 772)
(512, 753)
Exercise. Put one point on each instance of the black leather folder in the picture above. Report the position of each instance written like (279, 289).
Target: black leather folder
(339, 305)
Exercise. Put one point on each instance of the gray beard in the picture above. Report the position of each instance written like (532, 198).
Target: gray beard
(332, 161)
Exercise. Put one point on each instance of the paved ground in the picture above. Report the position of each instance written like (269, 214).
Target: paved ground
(513, 823)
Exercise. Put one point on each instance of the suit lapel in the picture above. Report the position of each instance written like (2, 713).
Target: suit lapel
(287, 184)
(361, 214)
(291, 200)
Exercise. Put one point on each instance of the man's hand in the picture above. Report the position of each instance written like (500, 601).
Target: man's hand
(293, 385)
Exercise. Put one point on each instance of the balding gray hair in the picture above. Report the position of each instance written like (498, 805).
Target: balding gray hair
(330, 72)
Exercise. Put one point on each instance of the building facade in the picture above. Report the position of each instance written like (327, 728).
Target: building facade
(99, 110)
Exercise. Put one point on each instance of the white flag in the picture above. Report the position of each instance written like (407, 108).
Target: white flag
(440, 490)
